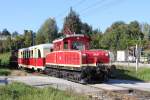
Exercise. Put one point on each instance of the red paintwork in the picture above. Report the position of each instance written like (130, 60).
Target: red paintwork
(75, 57)
(64, 57)
(35, 62)
(95, 56)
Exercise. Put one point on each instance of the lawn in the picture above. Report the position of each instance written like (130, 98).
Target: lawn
(20, 91)
(5, 71)
(130, 73)
(4, 57)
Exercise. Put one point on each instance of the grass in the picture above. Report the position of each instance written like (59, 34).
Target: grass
(129, 73)
(20, 91)
(4, 71)
(4, 57)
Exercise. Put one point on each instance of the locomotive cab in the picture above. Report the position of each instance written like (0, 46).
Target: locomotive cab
(72, 42)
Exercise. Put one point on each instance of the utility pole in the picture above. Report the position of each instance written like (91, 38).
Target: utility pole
(137, 56)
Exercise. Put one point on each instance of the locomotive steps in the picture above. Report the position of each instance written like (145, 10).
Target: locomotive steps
(105, 91)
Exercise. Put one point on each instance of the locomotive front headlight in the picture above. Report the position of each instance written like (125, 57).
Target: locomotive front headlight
(83, 55)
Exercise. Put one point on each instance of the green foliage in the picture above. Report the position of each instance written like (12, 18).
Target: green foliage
(7, 44)
(72, 22)
(86, 29)
(5, 32)
(28, 36)
(96, 43)
(48, 32)
(20, 91)
(129, 73)
(4, 57)
(146, 31)
(4, 72)
(18, 42)
(120, 36)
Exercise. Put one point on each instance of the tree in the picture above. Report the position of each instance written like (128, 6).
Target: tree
(121, 35)
(7, 44)
(28, 35)
(115, 36)
(18, 42)
(96, 40)
(86, 29)
(5, 32)
(40, 38)
(14, 34)
(48, 32)
(146, 30)
(72, 23)
(135, 30)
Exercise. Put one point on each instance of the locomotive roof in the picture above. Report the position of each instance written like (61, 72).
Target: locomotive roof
(68, 36)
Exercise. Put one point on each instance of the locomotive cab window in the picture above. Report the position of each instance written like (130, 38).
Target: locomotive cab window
(51, 50)
(65, 45)
(78, 46)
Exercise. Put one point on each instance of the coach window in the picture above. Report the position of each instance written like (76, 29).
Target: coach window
(28, 54)
(39, 53)
(21, 54)
(31, 54)
(25, 54)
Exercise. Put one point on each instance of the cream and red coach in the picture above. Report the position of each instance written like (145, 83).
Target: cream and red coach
(34, 57)
(73, 60)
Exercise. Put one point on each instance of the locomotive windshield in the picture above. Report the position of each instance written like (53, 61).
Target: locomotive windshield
(78, 45)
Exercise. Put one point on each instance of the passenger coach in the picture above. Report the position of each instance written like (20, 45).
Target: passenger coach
(34, 57)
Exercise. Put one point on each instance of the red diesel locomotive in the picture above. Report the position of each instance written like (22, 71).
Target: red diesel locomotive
(71, 59)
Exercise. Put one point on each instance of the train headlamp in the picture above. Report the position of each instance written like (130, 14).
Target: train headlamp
(83, 55)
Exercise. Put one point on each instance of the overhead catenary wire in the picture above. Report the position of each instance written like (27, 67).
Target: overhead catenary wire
(104, 4)
(59, 16)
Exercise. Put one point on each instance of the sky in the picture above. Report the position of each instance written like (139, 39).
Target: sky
(18, 15)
